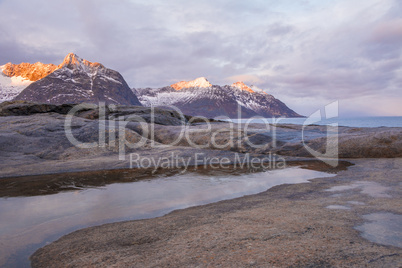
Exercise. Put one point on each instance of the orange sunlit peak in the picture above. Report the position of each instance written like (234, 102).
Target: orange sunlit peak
(199, 82)
(242, 86)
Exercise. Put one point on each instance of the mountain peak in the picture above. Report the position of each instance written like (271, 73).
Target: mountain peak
(77, 80)
(198, 82)
(28, 71)
(242, 86)
(72, 60)
(216, 101)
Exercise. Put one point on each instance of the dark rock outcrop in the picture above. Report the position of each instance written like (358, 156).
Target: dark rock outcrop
(91, 111)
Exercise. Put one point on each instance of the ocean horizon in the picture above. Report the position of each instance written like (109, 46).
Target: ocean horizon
(363, 121)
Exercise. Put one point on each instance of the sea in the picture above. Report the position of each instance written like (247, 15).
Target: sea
(373, 121)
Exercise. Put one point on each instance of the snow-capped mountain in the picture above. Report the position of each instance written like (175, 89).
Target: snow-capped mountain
(16, 77)
(199, 82)
(201, 98)
(77, 80)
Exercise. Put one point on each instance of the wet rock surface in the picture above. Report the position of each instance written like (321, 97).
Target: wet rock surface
(286, 226)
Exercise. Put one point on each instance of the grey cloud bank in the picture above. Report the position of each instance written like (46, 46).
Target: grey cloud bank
(307, 53)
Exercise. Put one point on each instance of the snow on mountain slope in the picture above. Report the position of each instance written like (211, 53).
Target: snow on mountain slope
(242, 86)
(10, 87)
(77, 80)
(257, 89)
(214, 101)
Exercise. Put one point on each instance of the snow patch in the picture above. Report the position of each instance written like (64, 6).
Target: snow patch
(257, 89)
(10, 87)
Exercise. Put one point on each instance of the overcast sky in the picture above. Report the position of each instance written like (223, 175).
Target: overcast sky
(306, 53)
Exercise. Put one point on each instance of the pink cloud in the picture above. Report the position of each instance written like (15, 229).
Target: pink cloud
(388, 31)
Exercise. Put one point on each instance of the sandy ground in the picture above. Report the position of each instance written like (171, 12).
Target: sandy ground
(301, 225)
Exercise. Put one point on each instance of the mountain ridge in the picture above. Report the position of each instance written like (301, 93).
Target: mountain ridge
(16, 77)
(77, 80)
(29, 71)
(200, 82)
(214, 101)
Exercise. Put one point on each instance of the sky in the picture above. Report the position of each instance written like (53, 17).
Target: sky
(305, 53)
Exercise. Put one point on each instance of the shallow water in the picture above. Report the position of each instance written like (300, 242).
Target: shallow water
(371, 188)
(30, 222)
(338, 207)
(383, 228)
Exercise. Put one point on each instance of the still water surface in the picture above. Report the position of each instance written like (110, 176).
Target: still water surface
(27, 223)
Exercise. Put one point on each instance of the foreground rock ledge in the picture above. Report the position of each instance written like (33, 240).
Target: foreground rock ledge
(33, 138)
(286, 226)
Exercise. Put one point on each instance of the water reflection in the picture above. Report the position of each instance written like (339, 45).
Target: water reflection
(56, 183)
(40, 219)
(371, 188)
(383, 228)
(338, 207)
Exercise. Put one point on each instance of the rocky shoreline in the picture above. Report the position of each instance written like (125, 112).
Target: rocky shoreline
(33, 139)
(304, 225)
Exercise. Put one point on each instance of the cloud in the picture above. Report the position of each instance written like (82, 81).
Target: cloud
(306, 53)
(249, 79)
(387, 32)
